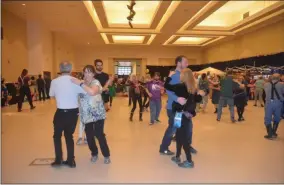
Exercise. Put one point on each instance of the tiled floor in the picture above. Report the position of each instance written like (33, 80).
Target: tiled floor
(227, 153)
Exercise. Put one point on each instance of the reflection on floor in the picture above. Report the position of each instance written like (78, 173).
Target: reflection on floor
(227, 153)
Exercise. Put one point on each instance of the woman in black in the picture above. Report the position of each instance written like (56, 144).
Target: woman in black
(187, 90)
(24, 83)
(135, 92)
(216, 92)
(240, 100)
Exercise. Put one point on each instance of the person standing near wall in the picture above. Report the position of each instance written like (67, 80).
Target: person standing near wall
(40, 87)
(259, 85)
(24, 85)
(47, 82)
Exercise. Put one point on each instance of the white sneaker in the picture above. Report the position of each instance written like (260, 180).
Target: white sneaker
(79, 141)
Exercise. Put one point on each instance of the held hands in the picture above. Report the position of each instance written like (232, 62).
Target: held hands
(201, 92)
(150, 95)
(171, 73)
(77, 81)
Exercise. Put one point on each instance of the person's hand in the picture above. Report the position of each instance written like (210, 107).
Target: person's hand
(181, 100)
(171, 73)
(106, 89)
(150, 95)
(76, 81)
(201, 92)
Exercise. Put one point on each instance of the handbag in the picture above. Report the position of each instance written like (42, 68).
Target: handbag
(177, 119)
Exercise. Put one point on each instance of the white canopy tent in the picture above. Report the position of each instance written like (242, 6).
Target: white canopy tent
(212, 71)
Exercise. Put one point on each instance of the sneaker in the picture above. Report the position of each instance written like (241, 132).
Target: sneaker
(262, 105)
(255, 105)
(94, 158)
(151, 123)
(107, 160)
(218, 119)
(79, 141)
(167, 152)
(193, 150)
(186, 164)
(157, 121)
(56, 163)
(176, 160)
(233, 121)
(85, 141)
(33, 107)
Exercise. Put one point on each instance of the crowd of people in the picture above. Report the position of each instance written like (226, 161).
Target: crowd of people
(91, 97)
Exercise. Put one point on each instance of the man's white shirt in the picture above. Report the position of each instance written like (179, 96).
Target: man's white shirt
(65, 92)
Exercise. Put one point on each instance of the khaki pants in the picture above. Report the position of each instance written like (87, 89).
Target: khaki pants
(258, 93)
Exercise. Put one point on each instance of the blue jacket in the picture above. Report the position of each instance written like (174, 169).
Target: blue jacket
(171, 95)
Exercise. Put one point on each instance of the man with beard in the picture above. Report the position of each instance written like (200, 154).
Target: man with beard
(181, 63)
(103, 78)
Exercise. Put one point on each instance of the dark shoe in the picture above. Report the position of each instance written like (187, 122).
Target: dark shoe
(140, 117)
(255, 105)
(157, 121)
(216, 110)
(19, 110)
(242, 119)
(33, 107)
(233, 121)
(131, 117)
(193, 150)
(56, 163)
(186, 164)
(269, 132)
(239, 120)
(176, 160)
(262, 105)
(167, 152)
(218, 119)
(274, 130)
(71, 164)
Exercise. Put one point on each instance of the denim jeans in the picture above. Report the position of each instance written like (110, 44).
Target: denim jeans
(155, 109)
(273, 109)
(222, 102)
(170, 131)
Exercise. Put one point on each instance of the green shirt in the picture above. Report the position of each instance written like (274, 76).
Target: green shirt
(259, 84)
(227, 87)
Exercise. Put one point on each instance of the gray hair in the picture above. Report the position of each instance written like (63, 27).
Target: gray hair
(276, 76)
(65, 67)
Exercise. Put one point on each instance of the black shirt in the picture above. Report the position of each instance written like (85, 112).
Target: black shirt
(23, 81)
(40, 83)
(102, 78)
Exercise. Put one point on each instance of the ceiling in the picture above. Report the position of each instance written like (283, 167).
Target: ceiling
(167, 23)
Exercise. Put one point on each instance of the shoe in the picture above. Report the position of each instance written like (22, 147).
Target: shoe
(167, 152)
(239, 120)
(157, 121)
(79, 141)
(193, 150)
(242, 119)
(176, 159)
(107, 160)
(218, 119)
(94, 158)
(85, 141)
(216, 110)
(255, 105)
(269, 132)
(262, 105)
(71, 164)
(274, 130)
(140, 119)
(140, 116)
(233, 121)
(131, 117)
(33, 107)
(19, 110)
(186, 164)
(151, 123)
(56, 163)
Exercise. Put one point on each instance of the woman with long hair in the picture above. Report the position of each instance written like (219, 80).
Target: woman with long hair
(24, 85)
(216, 92)
(204, 86)
(240, 99)
(93, 113)
(187, 90)
(136, 91)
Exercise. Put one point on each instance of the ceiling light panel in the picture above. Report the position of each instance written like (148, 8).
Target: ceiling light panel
(232, 13)
(117, 11)
(191, 40)
(131, 39)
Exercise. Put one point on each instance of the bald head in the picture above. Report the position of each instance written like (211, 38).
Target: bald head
(65, 67)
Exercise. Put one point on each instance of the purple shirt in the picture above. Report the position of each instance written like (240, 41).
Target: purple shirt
(154, 87)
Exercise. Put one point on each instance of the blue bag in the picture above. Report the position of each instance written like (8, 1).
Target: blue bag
(177, 120)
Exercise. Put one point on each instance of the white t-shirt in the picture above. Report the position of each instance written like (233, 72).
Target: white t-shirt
(65, 92)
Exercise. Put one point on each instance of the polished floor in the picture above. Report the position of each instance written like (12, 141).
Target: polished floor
(227, 153)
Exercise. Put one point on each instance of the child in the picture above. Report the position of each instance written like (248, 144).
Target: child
(154, 89)
(187, 90)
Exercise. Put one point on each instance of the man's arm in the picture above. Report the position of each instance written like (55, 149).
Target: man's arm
(51, 90)
(105, 87)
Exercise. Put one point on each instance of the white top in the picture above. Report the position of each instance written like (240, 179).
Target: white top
(65, 92)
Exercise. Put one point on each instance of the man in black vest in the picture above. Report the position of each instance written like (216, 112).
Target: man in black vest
(40, 87)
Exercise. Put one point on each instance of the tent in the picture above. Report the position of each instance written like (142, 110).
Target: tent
(212, 71)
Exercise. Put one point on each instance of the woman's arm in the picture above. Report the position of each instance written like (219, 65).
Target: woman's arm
(92, 91)
(168, 86)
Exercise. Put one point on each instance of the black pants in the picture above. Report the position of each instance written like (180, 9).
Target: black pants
(25, 91)
(240, 110)
(110, 100)
(64, 120)
(183, 138)
(41, 94)
(47, 92)
(145, 102)
(129, 99)
(96, 129)
(136, 99)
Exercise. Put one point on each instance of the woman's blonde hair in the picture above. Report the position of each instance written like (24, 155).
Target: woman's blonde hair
(188, 79)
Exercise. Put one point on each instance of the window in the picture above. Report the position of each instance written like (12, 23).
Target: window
(124, 70)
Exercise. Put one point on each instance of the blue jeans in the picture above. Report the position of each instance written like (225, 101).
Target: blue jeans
(283, 110)
(171, 130)
(155, 109)
(273, 108)
(222, 102)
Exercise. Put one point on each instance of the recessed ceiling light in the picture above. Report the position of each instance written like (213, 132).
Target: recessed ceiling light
(24, 4)
(88, 43)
